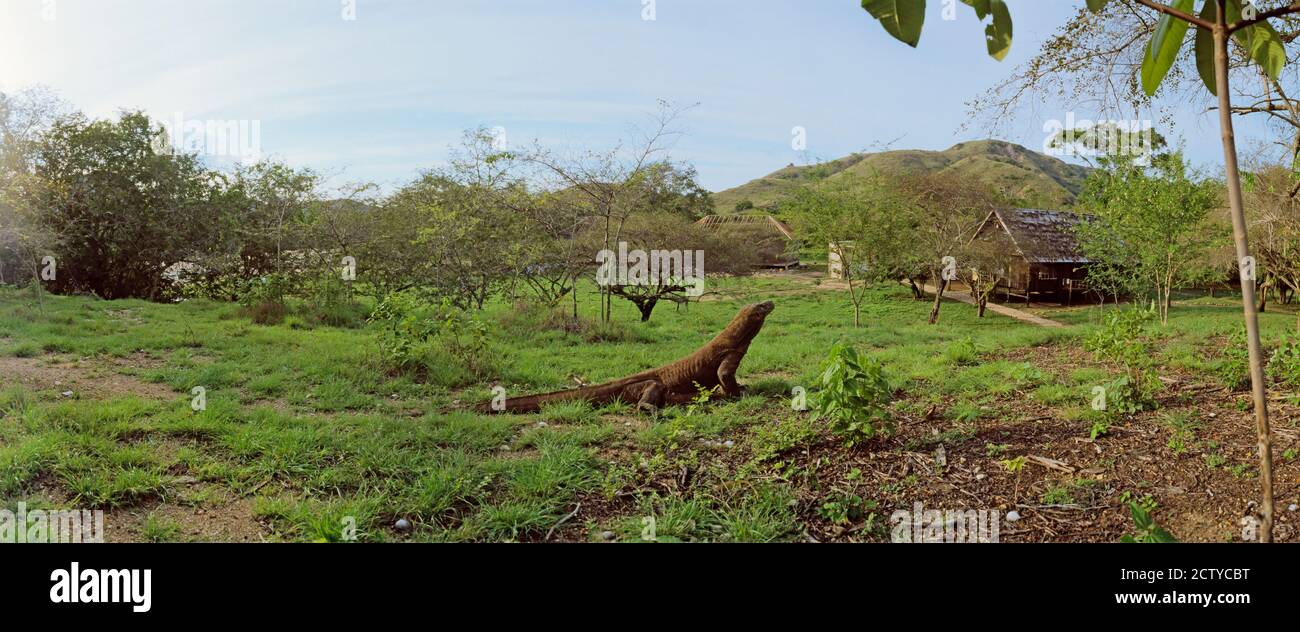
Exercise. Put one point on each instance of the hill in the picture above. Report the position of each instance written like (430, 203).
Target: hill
(1035, 178)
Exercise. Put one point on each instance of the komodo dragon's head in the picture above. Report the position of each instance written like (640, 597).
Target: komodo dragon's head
(749, 321)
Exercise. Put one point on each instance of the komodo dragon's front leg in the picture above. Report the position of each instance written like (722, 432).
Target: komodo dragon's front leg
(727, 374)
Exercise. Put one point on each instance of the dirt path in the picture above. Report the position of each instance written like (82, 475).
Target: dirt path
(819, 280)
(1000, 309)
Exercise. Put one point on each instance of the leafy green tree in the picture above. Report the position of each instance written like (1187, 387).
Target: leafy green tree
(1217, 22)
(124, 213)
(866, 225)
(1148, 227)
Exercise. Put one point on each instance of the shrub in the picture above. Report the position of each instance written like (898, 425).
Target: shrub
(531, 318)
(415, 337)
(1232, 369)
(1121, 339)
(263, 299)
(854, 396)
(328, 301)
(1284, 365)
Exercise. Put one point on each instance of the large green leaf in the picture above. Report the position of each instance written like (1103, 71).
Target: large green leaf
(1267, 49)
(901, 18)
(1261, 42)
(1164, 46)
(1205, 48)
(998, 34)
(1096, 5)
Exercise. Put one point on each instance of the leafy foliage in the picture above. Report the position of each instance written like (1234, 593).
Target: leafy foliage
(854, 396)
(415, 336)
(1284, 365)
(1147, 529)
(1121, 339)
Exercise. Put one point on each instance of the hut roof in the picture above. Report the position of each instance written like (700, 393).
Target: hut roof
(716, 221)
(1039, 236)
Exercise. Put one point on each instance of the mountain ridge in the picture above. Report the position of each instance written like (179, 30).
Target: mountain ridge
(1026, 175)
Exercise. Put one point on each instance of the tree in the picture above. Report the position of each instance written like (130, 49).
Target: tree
(985, 264)
(1275, 231)
(611, 186)
(667, 259)
(124, 212)
(24, 240)
(1147, 228)
(1217, 23)
(865, 224)
(946, 211)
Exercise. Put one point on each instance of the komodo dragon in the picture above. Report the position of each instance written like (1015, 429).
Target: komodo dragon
(713, 365)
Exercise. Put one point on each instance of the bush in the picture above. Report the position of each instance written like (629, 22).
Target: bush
(532, 318)
(1232, 369)
(417, 337)
(263, 299)
(1284, 365)
(266, 312)
(854, 396)
(1121, 339)
(328, 301)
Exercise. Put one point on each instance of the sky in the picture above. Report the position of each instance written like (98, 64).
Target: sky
(378, 90)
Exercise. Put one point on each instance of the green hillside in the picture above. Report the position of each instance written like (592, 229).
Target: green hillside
(1032, 177)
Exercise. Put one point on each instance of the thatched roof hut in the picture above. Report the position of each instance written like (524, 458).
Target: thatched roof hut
(1046, 258)
(774, 240)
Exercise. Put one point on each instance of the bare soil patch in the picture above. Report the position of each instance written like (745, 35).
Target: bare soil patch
(84, 378)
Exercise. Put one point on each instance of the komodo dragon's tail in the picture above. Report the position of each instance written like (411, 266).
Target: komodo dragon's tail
(599, 394)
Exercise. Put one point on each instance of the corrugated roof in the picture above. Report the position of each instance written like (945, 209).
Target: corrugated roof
(1041, 236)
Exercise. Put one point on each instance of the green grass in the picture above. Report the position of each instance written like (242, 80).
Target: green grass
(304, 420)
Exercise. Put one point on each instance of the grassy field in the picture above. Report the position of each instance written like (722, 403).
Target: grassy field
(305, 433)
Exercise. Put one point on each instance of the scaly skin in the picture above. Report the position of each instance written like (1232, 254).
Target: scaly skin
(711, 367)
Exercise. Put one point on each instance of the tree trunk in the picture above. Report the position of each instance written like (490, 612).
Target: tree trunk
(646, 307)
(938, 298)
(1165, 303)
(916, 291)
(1241, 242)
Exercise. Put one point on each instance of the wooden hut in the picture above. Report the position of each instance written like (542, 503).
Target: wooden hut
(1045, 259)
(773, 239)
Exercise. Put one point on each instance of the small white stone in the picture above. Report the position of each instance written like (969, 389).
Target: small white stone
(980, 477)
(67, 393)
(402, 524)
(1013, 516)
(607, 535)
(541, 424)
(730, 444)
(1291, 507)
